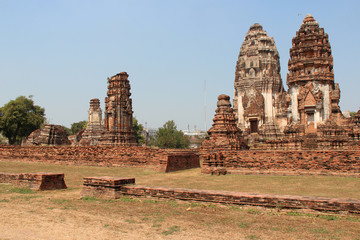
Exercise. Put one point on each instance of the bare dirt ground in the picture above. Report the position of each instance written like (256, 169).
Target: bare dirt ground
(61, 214)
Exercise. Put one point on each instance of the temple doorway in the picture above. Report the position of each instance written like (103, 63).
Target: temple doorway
(254, 125)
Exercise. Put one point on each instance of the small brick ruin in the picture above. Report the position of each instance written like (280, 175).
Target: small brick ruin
(224, 134)
(104, 187)
(49, 134)
(35, 181)
(114, 188)
(94, 128)
(164, 160)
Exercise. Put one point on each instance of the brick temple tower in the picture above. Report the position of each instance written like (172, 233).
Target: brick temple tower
(118, 112)
(224, 134)
(258, 83)
(314, 95)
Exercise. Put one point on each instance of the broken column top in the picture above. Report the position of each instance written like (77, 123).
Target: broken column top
(95, 103)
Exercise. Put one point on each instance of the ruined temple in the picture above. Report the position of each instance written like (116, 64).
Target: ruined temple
(224, 134)
(314, 94)
(94, 128)
(308, 114)
(258, 86)
(49, 134)
(118, 112)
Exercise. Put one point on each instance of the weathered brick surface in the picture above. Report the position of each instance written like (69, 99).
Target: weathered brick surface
(157, 159)
(107, 190)
(35, 181)
(104, 187)
(298, 162)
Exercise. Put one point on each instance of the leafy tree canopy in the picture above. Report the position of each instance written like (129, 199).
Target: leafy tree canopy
(78, 126)
(20, 117)
(138, 129)
(67, 130)
(169, 137)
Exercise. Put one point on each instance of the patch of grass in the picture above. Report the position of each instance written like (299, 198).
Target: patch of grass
(106, 226)
(69, 208)
(89, 199)
(319, 230)
(150, 201)
(59, 201)
(129, 220)
(173, 203)
(254, 211)
(171, 230)
(211, 205)
(128, 199)
(26, 198)
(291, 229)
(252, 237)
(294, 213)
(196, 204)
(160, 219)
(328, 217)
(21, 190)
(353, 219)
(243, 225)
(4, 200)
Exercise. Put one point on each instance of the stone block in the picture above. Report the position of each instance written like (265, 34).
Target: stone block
(104, 187)
(35, 181)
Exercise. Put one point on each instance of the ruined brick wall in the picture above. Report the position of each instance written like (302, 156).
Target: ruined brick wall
(315, 162)
(180, 159)
(157, 159)
(116, 187)
(253, 199)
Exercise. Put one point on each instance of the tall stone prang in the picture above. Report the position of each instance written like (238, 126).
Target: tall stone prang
(224, 134)
(258, 83)
(314, 95)
(118, 112)
(94, 127)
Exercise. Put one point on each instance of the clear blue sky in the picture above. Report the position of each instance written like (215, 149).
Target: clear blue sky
(63, 51)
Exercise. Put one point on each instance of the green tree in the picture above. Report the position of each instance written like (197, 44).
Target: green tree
(138, 129)
(78, 126)
(67, 130)
(169, 137)
(20, 117)
(352, 114)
